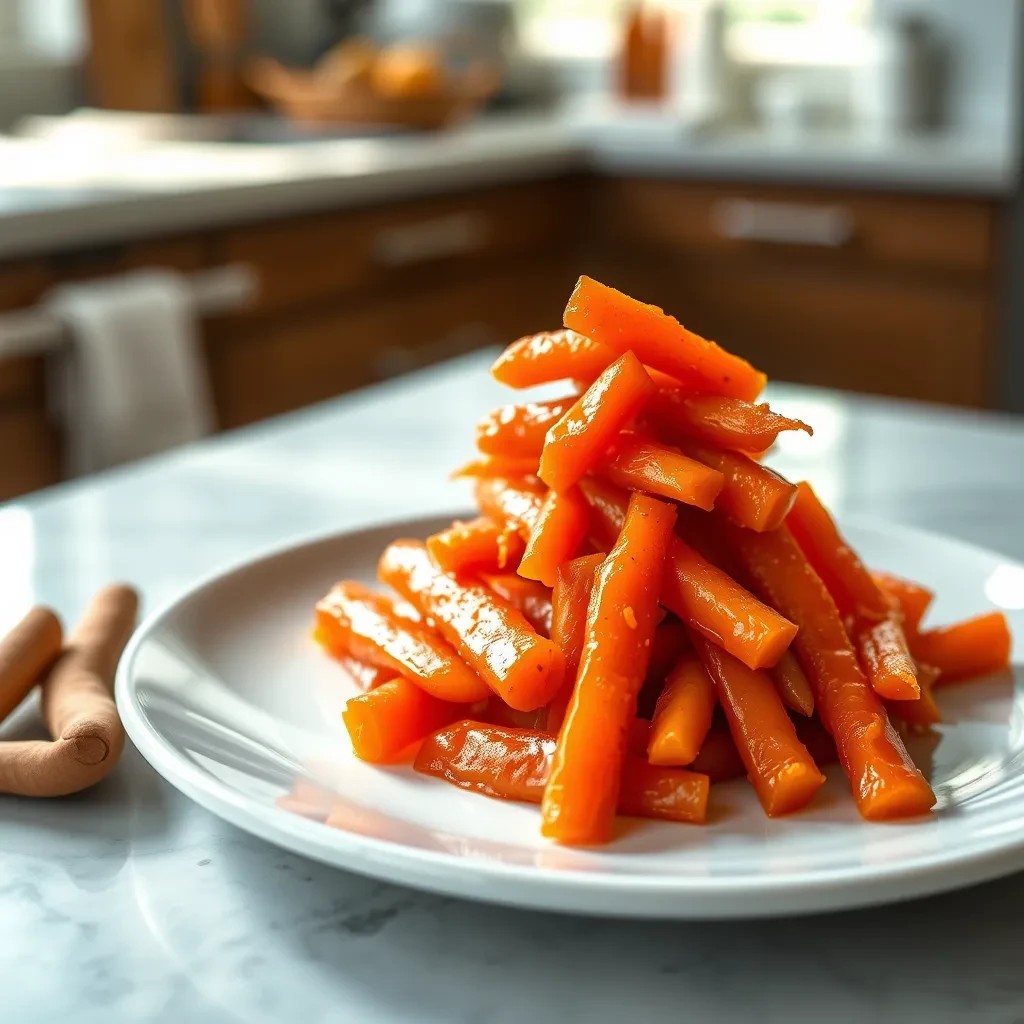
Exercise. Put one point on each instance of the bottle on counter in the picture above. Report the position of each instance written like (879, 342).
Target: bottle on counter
(644, 54)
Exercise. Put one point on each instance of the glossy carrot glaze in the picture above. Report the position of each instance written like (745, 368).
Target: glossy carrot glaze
(510, 501)
(517, 431)
(643, 465)
(479, 545)
(550, 356)
(792, 684)
(682, 716)
(967, 649)
(560, 530)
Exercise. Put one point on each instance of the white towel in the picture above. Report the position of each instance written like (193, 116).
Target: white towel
(134, 383)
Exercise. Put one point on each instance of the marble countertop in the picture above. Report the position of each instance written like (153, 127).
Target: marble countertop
(129, 903)
(95, 180)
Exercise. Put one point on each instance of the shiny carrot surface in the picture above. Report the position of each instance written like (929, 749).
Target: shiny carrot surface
(517, 431)
(792, 684)
(884, 780)
(556, 537)
(922, 712)
(512, 467)
(778, 765)
(363, 674)
(366, 626)
(578, 441)
(531, 598)
(912, 599)
(497, 712)
(727, 423)
(480, 545)
(752, 495)
(887, 661)
(383, 722)
(624, 324)
(963, 650)
(514, 764)
(682, 716)
(510, 501)
(550, 356)
(643, 465)
(582, 791)
(522, 667)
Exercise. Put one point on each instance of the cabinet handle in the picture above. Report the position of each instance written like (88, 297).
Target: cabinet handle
(456, 234)
(752, 220)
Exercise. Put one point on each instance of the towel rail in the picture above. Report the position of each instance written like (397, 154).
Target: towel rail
(36, 331)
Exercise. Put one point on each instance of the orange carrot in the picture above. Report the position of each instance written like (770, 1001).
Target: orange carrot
(578, 441)
(549, 356)
(642, 465)
(383, 722)
(963, 650)
(557, 535)
(884, 780)
(514, 764)
(792, 684)
(671, 641)
(723, 422)
(718, 758)
(363, 674)
(366, 626)
(886, 660)
(570, 599)
(517, 431)
(778, 765)
(752, 495)
(582, 791)
(522, 667)
(529, 597)
(510, 501)
(480, 545)
(702, 595)
(683, 714)
(512, 467)
(922, 712)
(623, 324)
(912, 599)
(497, 712)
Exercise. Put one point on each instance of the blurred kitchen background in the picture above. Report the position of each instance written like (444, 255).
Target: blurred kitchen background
(217, 211)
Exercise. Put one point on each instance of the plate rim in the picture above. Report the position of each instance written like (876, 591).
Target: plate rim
(667, 897)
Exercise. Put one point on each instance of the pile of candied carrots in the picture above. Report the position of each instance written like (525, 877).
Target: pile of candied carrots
(643, 608)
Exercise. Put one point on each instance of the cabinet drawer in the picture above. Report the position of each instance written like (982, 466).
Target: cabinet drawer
(310, 258)
(31, 452)
(818, 226)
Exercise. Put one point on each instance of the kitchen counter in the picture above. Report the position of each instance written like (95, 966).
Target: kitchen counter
(130, 903)
(67, 188)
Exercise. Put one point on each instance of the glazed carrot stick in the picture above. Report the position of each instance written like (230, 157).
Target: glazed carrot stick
(512, 467)
(480, 545)
(557, 535)
(683, 714)
(963, 650)
(884, 780)
(752, 495)
(514, 764)
(671, 641)
(922, 712)
(577, 442)
(570, 599)
(582, 791)
(719, 759)
(639, 464)
(363, 674)
(623, 324)
(886, 660)
(493, 638)
(510, 501)
(723, 422)
(383, 722)
(529, 597)
(792, 684)
(778, 765)
(517, 431)
(912, 599)
(607, 510)
(702, 595)
(497, 712)
(549, 356)
(365, 625)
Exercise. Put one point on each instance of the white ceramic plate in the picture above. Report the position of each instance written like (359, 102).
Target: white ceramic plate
(226, 694)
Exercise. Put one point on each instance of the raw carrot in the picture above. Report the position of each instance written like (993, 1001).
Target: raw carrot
(727, 423)
(512, 467)
(479, 545)
(514, 764)
(522, 667)
(510, 501)
(718, 758)
(683, 714)
(792, 684)
(366, 626)
(517, 431)
(556, 537)
(582, 791)
(704, 596)
(549, 356)
(886, 660)
(752, 495)
(884, 780)
(639, 464)
(570, 599)
(383, 722)
(529, 597)
(778, 765)
(963, 650)
(624, 324)
(912, 599)
(578, 441)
